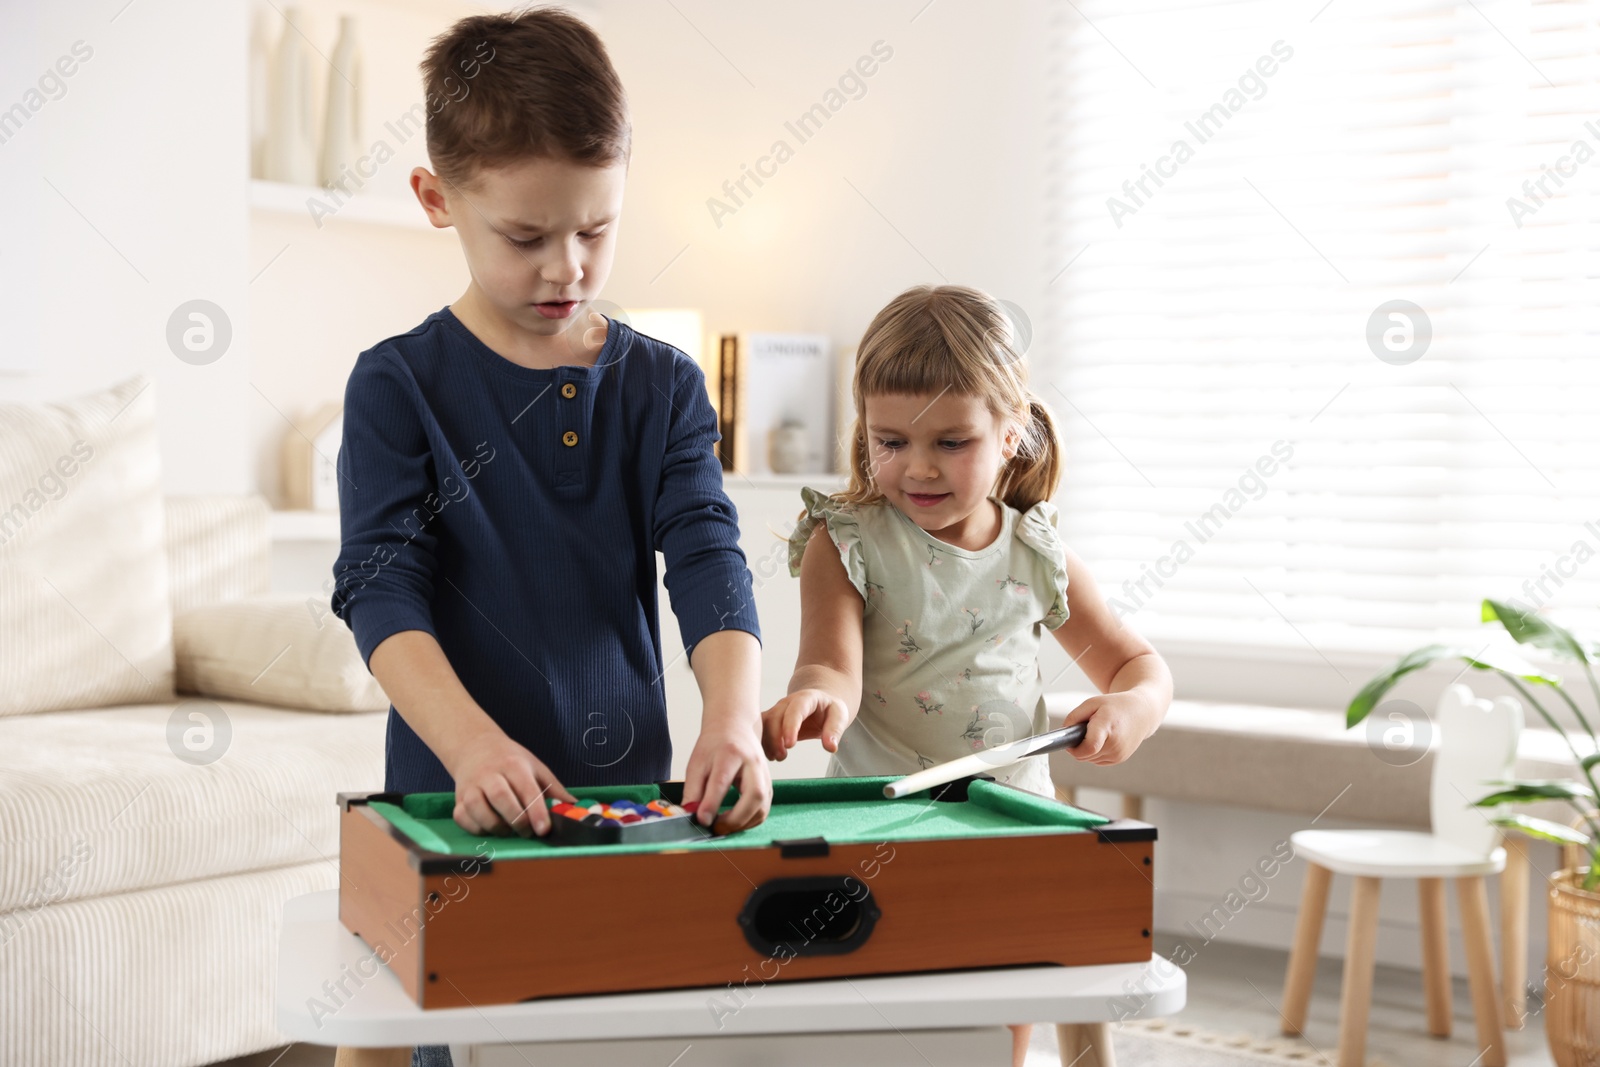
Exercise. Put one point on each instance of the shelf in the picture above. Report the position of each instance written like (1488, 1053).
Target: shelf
(280, 198)
(733, 481)
(303, 526)
(324, 525)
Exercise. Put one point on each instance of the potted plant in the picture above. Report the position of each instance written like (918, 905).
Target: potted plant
(1572, 978)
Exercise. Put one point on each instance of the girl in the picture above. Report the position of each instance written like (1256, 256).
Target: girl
(926, 586)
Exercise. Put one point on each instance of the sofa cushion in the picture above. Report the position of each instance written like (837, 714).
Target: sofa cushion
(83, 569)
(282, 649)
(219, 548)
(115, 799)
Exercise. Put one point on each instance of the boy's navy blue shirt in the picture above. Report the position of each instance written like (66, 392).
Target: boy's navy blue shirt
(514, 513)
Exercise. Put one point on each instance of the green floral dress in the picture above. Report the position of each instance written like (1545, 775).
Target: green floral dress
(950, 657)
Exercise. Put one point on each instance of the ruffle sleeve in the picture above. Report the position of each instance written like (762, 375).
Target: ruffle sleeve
(844, 528)
(1037, 529)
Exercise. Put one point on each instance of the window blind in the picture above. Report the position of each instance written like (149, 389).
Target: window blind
(1256, 453)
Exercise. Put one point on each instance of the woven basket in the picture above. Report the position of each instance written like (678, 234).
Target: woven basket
(1572, 972)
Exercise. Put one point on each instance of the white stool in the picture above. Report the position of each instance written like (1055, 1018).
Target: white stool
(1477, 744)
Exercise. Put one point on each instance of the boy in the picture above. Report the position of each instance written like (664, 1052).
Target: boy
(510, 467)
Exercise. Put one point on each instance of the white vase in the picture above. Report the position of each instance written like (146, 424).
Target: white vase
(341, 132)
(789, 448)
(291, 138)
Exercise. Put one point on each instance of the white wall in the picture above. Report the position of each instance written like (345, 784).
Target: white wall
(936, 173)
(123, 201)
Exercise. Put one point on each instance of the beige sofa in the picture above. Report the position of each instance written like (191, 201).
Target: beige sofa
(147, 848)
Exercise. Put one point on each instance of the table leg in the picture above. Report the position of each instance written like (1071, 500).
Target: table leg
(1514, 930)
(1133, 807)
(1067, 794)
(1085, 1045)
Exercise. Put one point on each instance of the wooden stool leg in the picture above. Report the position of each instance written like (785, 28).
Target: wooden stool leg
(1085, 1045)
(1067, 794)
(1303, 954)
(1514, 930)
(1474, 898)
(1435, 955)
(1132, 807)
(372, 1057)
(1360, 957)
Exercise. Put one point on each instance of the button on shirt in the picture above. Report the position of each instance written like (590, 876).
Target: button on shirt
(515, 513)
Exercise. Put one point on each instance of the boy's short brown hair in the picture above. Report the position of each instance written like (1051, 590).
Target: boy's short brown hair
(533, 84)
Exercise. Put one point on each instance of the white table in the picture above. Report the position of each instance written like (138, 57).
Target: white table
(332, 990)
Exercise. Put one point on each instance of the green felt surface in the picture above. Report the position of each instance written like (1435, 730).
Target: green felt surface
(846, 811)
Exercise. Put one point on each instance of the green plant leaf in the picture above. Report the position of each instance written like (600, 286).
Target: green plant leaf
(1527, 792)
(1543, 829)
(1527, 628)
(1363, 703)
(1373, 692)
(1590, 760)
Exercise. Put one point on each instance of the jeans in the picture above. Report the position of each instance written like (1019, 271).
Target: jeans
(431, 1056)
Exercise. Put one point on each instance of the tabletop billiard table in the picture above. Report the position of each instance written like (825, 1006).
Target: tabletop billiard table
(837, 881)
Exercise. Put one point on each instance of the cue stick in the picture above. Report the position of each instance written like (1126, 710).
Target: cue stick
(987, 760)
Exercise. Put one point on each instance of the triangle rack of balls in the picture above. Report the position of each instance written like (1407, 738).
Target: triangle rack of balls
(622, 822)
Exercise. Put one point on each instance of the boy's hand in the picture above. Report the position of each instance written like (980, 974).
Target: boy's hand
(803, 715)
(727, 752)
(1117, 724)
(501, 787)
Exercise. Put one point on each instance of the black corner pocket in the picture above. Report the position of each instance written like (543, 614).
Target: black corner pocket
(827, 915)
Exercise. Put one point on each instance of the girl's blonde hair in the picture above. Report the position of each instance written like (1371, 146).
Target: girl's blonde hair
(934, 339)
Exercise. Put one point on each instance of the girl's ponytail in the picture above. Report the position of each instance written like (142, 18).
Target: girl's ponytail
(1035, 470)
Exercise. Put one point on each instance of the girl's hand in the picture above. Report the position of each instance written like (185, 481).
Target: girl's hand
(803, 715)
(1117, 724)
